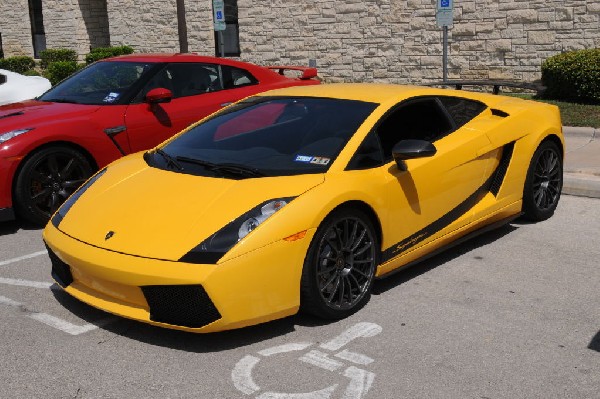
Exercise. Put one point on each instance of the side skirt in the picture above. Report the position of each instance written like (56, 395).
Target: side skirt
(460, 240)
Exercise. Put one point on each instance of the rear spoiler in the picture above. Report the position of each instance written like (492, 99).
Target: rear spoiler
(307, 72)
(458, 84)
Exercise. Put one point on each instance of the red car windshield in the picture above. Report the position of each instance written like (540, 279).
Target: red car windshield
(102, 83)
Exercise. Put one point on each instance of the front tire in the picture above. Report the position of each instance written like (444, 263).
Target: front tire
(46, 179)
(544, 181)
(340, 264)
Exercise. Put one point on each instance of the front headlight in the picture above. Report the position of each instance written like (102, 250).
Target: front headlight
(13, 133)
(215, 246)
(64, 208)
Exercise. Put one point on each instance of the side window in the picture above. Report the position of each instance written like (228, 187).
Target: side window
(2, 79)
(419, 119)
(185, 79)
(462, 110)
(368, 155)
(236, 77)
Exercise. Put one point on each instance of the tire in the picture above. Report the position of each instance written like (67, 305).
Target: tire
(544, 181)
(46, 179)
(340, 264)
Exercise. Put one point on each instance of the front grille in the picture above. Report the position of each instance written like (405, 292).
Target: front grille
(61, 272)
(181, 305)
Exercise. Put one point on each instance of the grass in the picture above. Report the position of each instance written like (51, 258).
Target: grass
(572, 114)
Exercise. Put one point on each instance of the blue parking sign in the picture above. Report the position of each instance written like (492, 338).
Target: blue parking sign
(445, 3)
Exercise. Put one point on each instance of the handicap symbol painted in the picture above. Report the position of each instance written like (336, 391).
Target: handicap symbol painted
(359, 380)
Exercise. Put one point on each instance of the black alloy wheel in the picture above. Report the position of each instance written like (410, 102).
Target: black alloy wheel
(339, 268)
(543, 184)
(46, 179)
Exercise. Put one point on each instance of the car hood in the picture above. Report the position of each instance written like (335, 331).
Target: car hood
(161, 214)
(32, 113)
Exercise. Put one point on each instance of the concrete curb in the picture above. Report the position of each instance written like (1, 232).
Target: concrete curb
(580, 177)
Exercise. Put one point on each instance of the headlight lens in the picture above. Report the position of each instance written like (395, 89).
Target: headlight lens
(64, 208)
(215, 246)
(13, 133)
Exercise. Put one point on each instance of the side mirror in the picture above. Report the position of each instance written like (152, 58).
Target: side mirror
(158, 96)
(411, 149)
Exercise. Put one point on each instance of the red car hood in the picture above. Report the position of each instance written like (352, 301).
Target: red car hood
(34, 113)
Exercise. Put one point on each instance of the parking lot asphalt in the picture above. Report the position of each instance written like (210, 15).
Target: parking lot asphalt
(511, 314)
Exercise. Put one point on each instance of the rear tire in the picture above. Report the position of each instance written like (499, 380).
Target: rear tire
(46, 179)
(340, 264)
(544, 181)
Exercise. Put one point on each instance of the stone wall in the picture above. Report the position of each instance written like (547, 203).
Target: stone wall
(351, 40)
(147, 25)
(398, 41)
(15, 28)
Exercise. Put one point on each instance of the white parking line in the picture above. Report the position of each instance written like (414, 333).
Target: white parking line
(61, 324)
(25, 283)
(7, 301)
(14, 260)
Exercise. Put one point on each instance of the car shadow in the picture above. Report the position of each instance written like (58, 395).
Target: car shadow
(407, 274)
(182, 340)
(14, 226)
(226, 340)
(595, 343)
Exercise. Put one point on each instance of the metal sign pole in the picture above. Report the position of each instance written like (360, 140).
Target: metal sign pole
(221, 44)
(445, 55)
(444, 18)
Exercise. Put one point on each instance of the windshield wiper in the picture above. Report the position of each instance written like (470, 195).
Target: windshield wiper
(236, 170)
(171, 162)
(61, 100)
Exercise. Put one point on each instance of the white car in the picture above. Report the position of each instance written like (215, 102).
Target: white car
(15, 87)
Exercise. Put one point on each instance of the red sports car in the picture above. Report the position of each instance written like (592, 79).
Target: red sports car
(117, 106)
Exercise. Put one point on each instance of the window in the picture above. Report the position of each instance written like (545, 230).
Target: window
(185, 79)
(227, 42)
(419, 119)
(37, 27)
(236, 77)
(462, 110)
(2, 79)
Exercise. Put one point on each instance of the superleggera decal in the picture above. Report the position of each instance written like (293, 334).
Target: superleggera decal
(495, 180)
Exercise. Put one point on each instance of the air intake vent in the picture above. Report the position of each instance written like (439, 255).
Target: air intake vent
(181, 305)
(497, 112)
(61, 272)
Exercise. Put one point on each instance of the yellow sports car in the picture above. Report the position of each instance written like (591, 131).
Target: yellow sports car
(297, 199)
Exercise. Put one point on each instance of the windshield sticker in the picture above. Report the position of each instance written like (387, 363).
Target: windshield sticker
(313, 160)
(111, 97)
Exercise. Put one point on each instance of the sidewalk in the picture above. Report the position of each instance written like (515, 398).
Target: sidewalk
(582, 161)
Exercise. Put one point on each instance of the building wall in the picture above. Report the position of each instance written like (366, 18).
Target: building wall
(397, 40)
(147, 25)
(75, 24)
(15, 28)
(351, 40)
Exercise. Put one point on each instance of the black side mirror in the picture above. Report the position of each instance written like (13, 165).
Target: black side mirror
(411, 149)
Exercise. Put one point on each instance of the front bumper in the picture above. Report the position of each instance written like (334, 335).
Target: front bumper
(256, 287)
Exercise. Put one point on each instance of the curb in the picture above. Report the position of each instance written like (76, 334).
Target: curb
(578, 181)
(581, 185)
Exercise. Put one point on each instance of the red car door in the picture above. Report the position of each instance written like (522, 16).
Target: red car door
(198, 90)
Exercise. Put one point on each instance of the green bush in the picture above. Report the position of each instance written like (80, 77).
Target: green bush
(573, 76)
(105, 52)
(18, 64)
(59, 70)
(31, 72)
(54, 55)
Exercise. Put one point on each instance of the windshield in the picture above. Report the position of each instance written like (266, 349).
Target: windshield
(102, 83)
(266, 136)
